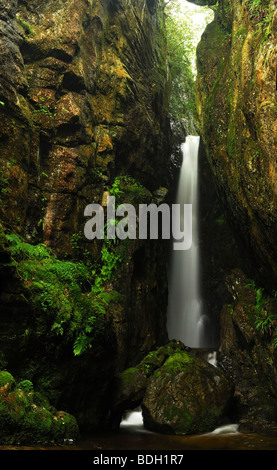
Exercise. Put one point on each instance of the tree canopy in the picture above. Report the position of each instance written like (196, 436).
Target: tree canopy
(185, 24)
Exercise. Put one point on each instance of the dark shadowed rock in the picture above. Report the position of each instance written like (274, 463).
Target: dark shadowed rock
(248, 354)
(26, 417)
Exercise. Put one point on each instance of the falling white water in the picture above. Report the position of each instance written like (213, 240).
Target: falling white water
(133, 418)
(186, 319)
(132, 422)
(227, 429)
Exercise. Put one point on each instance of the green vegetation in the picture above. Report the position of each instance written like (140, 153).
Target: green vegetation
(6, 379)
(182, 101)
(265, 317)
(70, 298)
(25, 26)
(44, 109)
(73, 298)
(172, 356)
(27, 417)
(177, 362)
(183, 36)
(128, 187)
(261, 12)
(265, 321)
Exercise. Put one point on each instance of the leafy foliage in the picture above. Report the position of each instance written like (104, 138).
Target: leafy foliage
(70, 298)
(262, 13)
(127, 186)
(183, 35)
(265, 321)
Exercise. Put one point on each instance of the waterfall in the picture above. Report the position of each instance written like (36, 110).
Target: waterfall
(133, 418)
(186, 318)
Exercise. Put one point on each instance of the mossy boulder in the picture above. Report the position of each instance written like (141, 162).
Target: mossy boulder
(26, 417)
(130, 385)
(7, 382)
(179, 392)
(187, 395)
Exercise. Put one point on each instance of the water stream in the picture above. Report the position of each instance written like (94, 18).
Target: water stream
(187, 320)
(186, 317)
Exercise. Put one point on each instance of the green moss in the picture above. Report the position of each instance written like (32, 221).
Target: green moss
(177, 362)
(127, 189)
(25, 26)
(231, 146)
(128, 376)
(230, 310)
(210, 102)
(168, 354)
(6, 378)
(241, 32)
(165, 356)
(221, 68)
(157, 374)
(26, 386)
(26, 417)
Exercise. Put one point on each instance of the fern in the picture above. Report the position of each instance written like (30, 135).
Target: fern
(68, 298)
(21, 249)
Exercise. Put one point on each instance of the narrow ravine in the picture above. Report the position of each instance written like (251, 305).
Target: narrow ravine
(187, 319)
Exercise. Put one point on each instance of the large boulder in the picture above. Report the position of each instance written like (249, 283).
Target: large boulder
(130, 385)
(179, 393)
(187, 395)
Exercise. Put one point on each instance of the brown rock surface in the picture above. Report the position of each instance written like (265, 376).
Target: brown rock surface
(236, 102)
(83, 98)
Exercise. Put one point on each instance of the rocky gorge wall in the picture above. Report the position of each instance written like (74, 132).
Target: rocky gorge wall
(236, 107)
(236, 101)
(84, 93)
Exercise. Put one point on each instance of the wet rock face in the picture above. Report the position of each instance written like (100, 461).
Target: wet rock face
(236, 102)
(248, 355)
(82, 98)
